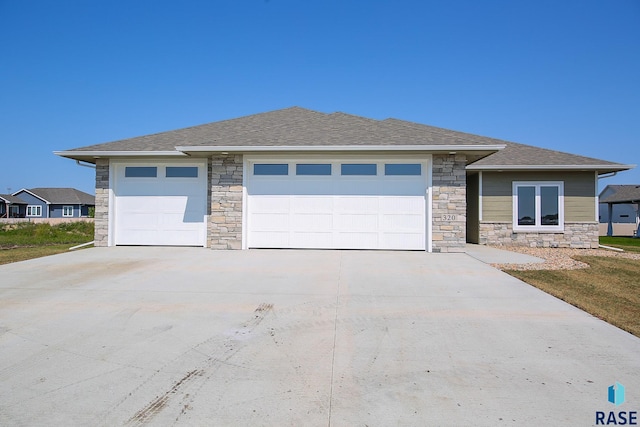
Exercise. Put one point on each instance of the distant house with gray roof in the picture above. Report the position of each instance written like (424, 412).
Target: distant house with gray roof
(12, 206)
(296, 178)
(619, 206)
(54, 203)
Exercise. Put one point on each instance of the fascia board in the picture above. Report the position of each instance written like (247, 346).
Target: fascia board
(551, 167)
(96, 154)
(430, 148)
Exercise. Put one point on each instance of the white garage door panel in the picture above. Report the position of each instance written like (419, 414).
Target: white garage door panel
(270, 239)
(270, 221)
(311, 240)
(341, 212)
(160, 210)
(402, 241)
(312, 222)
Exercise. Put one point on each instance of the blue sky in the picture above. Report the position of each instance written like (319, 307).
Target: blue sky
(557, 74)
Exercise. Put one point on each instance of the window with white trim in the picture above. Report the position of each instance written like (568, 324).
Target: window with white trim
(538, 206)
(67, 211)
(34, 210)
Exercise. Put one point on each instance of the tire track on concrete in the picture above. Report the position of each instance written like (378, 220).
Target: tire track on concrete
(182, 392)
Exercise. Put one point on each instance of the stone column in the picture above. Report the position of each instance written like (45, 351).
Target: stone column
(225, 218)
(449, 208)
(101, 221)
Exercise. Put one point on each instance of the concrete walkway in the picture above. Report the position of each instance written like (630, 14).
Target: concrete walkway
(490, 255)
(187, 336)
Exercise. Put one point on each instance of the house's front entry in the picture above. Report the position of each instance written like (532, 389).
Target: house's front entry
(159, 203)
(336, 203)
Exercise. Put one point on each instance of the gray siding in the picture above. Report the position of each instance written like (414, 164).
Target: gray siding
(32, 200)
(55, 211)
(579, 193)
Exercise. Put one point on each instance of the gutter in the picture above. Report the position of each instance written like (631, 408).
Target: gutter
(98, 154)
(550, 167)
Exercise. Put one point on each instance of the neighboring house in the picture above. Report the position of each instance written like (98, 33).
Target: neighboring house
(297, 178)
(620, 204)
(55, 202)
(12, 206)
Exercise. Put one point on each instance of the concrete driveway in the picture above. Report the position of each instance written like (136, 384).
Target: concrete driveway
(187, 336)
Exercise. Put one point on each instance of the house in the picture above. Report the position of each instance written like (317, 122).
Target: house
(12, 206)
(296, 178)
(620, 209)
(55, 202)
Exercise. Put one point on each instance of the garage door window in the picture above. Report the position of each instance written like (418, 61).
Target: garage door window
(402, 169)
(313, 169)
(182, 172)
(141, 172)
(271, 169)
(358, 169)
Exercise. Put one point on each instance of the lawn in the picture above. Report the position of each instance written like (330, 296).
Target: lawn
(609, 289)
(22, 241)
(629, 244)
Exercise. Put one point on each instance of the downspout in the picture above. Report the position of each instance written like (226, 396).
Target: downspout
(85, 164)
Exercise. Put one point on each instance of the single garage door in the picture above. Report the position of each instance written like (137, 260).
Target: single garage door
(337, 205)
(160, 204)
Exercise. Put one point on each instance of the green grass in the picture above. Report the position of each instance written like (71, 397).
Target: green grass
(25, 240)
(609, 289)
(630, 244)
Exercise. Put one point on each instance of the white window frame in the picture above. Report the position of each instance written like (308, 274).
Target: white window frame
(30, 208)
(64, 208)
(538, 227)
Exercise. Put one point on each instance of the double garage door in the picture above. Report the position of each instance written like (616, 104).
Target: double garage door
(160, 203)
(336, 204)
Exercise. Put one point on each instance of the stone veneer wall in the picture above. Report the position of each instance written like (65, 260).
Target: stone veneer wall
(583, 235)
(101, 221)
(225, 218)
(449, 203)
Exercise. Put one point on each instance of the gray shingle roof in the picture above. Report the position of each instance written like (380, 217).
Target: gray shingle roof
(14, 200)
(289, 127)
(515, 154)
(59, 196)
(299, 127)
(622, 194)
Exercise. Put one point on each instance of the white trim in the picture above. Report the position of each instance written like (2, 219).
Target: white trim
(480, 196)
(551, 167)
(63, 209)
(245, 199)
(30, 207)
(325, 148)
(98, 154)
(538, 227)
(112, 207)
(429, 204)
